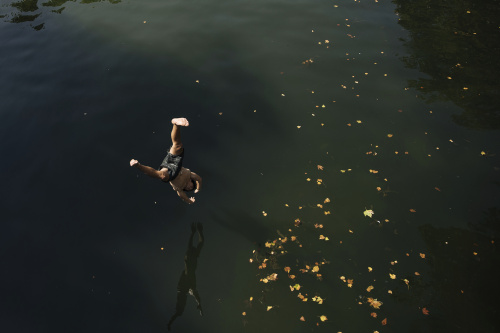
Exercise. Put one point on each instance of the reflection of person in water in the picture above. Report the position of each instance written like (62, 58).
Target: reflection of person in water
(171, 169)
(187, 281)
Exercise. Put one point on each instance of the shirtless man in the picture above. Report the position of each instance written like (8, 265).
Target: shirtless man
(171, 169)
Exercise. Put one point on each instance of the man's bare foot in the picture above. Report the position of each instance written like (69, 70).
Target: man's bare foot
(133, 162)
(180, 122)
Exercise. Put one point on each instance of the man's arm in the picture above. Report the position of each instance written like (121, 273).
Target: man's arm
(198, 181)
(149, 170)
(184, 197)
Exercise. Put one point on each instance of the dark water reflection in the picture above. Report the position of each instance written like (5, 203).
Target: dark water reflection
(30, 10)
(456, 44)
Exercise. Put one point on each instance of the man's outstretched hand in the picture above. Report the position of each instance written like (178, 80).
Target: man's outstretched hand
(133, 162)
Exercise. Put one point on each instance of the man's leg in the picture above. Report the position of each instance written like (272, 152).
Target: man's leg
(176, 135)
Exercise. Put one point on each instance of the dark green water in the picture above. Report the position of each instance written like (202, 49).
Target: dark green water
(272, 89)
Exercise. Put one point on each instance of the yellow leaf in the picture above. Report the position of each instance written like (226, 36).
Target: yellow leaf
(374, 303)
(393, 276)
(302, 318)
(269, 307)
(287, 269)
(315, 269)
(370, 269)
(368, 213)
(370, 288)
(323, 318)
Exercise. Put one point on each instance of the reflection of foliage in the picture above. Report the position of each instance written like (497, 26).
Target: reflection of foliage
(26, 5)
(456, 44)
(30, 6)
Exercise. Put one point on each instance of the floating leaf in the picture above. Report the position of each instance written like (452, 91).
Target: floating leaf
(302, 318)
(374, 303)
(269, 307)
(287, 269)
(315, 269)
(393, 276)
(368, 213)
(384, 322)
(370, 288)
(373, 314)
(425, 311)
(323, 318)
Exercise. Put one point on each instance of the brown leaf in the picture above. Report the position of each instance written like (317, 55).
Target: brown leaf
(302, 318)
(373, 314)
(384, 322)
(425, 311)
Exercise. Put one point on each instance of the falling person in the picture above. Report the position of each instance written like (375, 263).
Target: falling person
(171, 169)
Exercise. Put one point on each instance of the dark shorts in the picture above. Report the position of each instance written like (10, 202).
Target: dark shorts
(173, 163)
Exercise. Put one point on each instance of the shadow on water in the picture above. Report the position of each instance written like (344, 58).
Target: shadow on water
(456, 44)
(187, 281)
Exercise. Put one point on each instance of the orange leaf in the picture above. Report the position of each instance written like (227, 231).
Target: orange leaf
(425, 311)
(302, 318)
(373, 314)
(384, 322)
(413, 210)
(287, 269)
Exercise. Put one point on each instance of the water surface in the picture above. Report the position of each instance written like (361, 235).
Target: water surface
(275, 91)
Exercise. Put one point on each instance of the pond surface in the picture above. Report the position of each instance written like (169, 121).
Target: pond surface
(305, 118)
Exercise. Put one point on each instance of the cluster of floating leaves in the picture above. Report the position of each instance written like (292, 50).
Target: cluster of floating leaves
(387, 283)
